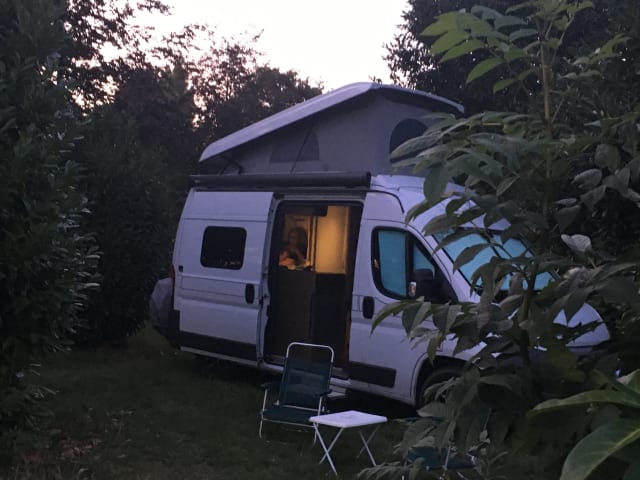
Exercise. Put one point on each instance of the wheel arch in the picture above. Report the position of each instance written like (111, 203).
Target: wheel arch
(426, 368)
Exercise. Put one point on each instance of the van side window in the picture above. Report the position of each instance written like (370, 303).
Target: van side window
(223, 247)
(398, 258)
(390, 269)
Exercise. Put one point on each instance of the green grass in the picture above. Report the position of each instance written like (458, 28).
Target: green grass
(144, 413)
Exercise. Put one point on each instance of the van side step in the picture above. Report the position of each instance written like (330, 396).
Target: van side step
(337, 393)
(337, 372)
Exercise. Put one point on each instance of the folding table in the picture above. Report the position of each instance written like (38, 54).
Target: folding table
(342, 421)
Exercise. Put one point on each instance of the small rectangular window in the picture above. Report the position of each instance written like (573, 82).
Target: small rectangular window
(223, 247)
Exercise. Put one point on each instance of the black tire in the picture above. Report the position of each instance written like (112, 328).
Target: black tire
(439, 375)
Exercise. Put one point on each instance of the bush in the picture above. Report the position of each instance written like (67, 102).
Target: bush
(46, 262)
(133, 217)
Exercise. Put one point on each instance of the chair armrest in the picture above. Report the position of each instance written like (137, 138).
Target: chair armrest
(271, 386)
(321, 393)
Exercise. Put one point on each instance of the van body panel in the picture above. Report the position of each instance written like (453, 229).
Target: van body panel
(235, 301)
(386, 347)
(218, 265)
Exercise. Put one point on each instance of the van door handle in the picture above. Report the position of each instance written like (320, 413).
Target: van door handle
(368, 306)
(249, 293)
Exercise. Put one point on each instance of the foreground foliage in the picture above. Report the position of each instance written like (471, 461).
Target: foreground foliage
(46, 262)
(556, 173)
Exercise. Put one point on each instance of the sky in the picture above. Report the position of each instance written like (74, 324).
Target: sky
(333, 41)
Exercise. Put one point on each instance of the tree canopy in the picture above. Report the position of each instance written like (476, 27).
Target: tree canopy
(412, 62)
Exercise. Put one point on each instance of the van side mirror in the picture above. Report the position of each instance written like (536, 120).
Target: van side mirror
(426, 284)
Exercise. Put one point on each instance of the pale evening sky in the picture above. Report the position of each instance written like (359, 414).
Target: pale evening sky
(333, 41)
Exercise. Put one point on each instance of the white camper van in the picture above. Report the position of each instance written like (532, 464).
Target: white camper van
(263, 259)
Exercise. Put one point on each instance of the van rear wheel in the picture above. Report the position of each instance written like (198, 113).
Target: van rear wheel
(439, 375)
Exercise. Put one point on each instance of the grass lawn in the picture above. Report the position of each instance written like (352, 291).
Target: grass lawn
(144, 413)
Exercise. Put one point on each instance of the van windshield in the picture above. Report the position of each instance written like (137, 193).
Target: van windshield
(512, 248)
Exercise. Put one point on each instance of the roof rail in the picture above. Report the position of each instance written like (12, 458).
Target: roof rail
(295, 180)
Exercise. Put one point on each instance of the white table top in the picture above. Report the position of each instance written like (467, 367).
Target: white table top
(348, 419)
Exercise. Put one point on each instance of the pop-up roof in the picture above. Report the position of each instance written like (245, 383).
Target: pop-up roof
(353, 128)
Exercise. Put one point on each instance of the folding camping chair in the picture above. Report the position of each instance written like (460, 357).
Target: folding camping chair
(303, 389)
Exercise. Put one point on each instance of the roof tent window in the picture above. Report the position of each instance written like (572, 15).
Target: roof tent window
(296, 147)
(405, 130)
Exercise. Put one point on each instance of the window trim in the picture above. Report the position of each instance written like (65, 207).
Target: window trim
(410, 239)
(223, 227)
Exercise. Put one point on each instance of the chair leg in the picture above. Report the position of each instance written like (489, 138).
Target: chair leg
(264, 406)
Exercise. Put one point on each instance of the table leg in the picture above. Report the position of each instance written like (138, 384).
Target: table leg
(365, 444)
(328, 449)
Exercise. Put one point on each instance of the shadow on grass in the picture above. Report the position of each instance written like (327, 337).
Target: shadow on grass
(151, 412)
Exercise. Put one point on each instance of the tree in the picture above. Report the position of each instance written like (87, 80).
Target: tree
(266, 91)
(138, 152)
(553, 172)
(235, 90)
(146, 131)
(413, 62)
(46, 262)
(96, 29)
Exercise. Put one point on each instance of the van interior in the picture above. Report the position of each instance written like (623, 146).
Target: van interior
(311, 277)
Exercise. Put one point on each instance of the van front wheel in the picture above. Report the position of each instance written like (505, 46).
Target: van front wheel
(440, 375)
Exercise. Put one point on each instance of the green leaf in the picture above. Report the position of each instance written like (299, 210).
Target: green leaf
(435, 410)
(634, 169)
(502, 84)
(607, 156)
(435, 183)
(578, 243)
(483, 68)
(417, 210)
(462, 49)
(592, 197)
(621, 290)
(485, 13)
(469, 254)
(575, 300)
(566, 216)
(439, 224)
(522, 33)
(448, 41)
(633, 472)
(588, 398)
(391, 310)
(444, 23)
(554, 43)
(514, 54)
(599, 445)
(507, 21)
(575, 8)
(508, 381)
(505, 185)
(631, 380)
(588, 179)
